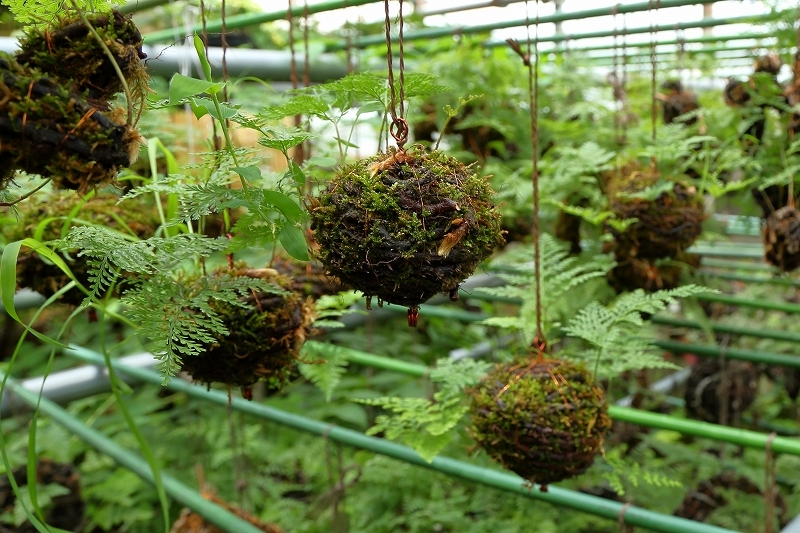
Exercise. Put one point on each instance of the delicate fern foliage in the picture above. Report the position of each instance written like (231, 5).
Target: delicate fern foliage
(324, 365)
(174, 314)
(574, 172)
(614, 332)
(561, 273)
(177, 317)
(44, 12)
(632, 472)
(427, 425)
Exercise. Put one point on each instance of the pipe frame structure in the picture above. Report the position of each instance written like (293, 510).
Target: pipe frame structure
(184, 495)
(631, 515)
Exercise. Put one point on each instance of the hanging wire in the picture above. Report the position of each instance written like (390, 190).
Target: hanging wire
(617, 78)
(624, 81)
(653, 7)
(399, 126)
(532, 52)
(292, 53)
(306, 60)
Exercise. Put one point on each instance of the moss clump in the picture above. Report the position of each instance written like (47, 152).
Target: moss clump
(716, 393)
(68, 51)
(631, 273)
(264, 338)
(665, 226)
(405, 225)
(308, 278)
(48, 216)
(544, 420)
(47, 129)
(782, 239)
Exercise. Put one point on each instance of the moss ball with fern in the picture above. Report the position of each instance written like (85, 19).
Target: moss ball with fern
(44, 217)
(782, 239)
(544, 420)
(48, 129)
(666, 224)
(67, 50)
(265, 334)
(405, 225)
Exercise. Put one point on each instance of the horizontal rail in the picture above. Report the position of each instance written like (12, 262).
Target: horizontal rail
(505, 481)
(252, 19)
(176, 490)
(446, 31)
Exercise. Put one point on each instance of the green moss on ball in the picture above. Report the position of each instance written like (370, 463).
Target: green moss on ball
(405, 225)
(47, 215)
(68, 51)
(665, 227)
(544, 420)
(47, 129)
(264, 338)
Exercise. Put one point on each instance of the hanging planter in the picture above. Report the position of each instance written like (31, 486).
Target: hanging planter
(405, 225)
(714, 392)
(46, 129)
(677, 101)
(68, 51)
(264, 337)
(308, 278)
(544, 420)
(782, 239)
(665, 227)
(48, 216)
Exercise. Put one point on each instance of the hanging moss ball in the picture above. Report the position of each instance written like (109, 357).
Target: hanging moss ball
(544, 420)
(68, 51)
(405, 225)
(47, 215)
(665, 226)
(568, 229)
(782, 239)
(307, 277)
(770, 198)
(264, 338)
(720, 393)
(46, 129)
(676, 101)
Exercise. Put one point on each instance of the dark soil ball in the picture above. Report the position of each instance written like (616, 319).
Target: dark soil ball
(65, 511)
(633, 273)
(782, 239)
(68, 51)
(264, 338)
(706, 388)
(406, 225)
(665, 227)
(568, 229)
(678, 101)
(308, 278)
(46, 129)
(544, 420)
(770, 198)
(770, 63)
(736, 93)
(48, 215)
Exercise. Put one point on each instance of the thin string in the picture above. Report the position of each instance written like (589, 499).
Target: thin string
(624, 81)
(399, 127)
(533, 91)
(224, 42)
(306, 61)
(615, 69)
(292, 56)
(654, 5)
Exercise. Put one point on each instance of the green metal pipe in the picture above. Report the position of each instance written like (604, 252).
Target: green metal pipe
(633, 516)
(251, 19)
(785, 307)
(688, 53)
(179, 492)
(753, 356)
(785, 336)
(740, 265)
(433, 33)
(137, 6)
(773, 280)
(711, 39)
(744, 251)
